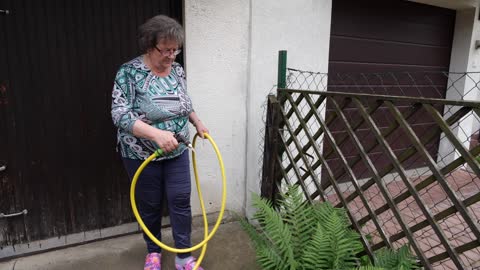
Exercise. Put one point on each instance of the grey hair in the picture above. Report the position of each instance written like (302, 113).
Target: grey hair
(158, 28)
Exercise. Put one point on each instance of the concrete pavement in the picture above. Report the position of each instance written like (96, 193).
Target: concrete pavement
(229, 249)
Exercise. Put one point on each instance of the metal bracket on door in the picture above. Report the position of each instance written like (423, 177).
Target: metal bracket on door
(23, 212)
(4, 11)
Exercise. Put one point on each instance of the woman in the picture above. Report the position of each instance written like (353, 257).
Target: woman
(149, 105)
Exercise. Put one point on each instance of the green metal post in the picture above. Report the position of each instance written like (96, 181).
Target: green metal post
(282, 77)
(282, 69)
(276, 125)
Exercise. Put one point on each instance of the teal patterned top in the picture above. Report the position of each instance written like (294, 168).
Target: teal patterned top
(161, 102)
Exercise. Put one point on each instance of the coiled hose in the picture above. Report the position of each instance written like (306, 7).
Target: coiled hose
(207, 235)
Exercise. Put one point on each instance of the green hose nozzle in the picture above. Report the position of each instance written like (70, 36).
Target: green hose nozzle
(180, 139)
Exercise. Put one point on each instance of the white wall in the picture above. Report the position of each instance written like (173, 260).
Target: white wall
(231, 63)
(464, 57)
(301, 27)
(216, 65)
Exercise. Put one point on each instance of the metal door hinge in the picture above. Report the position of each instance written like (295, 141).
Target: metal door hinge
(4, 11)
(23, 212)
(3, 93)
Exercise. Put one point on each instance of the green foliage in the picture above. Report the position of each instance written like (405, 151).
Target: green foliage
(401, 259)
(369, 267)
(302, 236)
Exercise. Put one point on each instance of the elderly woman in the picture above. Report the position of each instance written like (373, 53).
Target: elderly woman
(150, 105)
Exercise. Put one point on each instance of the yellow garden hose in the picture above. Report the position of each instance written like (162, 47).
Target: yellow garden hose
(207, 236)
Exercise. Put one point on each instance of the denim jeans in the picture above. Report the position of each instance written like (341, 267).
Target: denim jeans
(170, 178)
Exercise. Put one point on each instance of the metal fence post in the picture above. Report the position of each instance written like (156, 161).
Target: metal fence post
(271, 175)
(282, 69)
(282, 75)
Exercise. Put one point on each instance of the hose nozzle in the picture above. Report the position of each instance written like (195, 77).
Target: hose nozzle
(181, 139)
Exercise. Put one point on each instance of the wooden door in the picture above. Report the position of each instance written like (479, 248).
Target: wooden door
(58, 59)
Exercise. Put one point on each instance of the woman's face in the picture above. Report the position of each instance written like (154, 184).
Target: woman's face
(163, 54)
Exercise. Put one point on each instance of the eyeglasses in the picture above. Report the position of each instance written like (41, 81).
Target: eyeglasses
(168, 52)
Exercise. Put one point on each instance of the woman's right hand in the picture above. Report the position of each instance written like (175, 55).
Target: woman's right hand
(165, 140)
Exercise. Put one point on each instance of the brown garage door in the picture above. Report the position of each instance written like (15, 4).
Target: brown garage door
(392, 48)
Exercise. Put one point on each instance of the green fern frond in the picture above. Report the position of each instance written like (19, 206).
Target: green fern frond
(370, 267)
(345, 256)
(323, 211)
(299, 216)
(297, 235)
(261, 205)
(257, 238)
(318, 252)
(400, 259)
(268, 259)
(405, 258)
(276, 232)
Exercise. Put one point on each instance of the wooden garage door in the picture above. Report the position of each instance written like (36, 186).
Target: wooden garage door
(58, 59)
(389, 47)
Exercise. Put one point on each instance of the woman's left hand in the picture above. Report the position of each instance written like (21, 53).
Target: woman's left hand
(201, 129)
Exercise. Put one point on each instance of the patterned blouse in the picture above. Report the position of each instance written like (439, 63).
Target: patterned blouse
(161, 102)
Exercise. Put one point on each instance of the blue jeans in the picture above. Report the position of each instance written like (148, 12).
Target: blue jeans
(170, 177)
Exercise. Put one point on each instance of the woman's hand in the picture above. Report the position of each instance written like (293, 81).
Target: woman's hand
(165, 140)
(201, 129)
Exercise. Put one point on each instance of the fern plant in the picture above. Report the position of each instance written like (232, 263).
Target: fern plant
(400, 259)
(301, 236)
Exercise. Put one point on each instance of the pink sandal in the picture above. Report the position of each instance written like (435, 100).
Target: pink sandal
(153, 261)
(188, 265)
